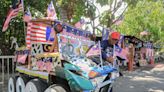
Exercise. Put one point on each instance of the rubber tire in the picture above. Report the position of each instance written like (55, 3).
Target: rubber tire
(21, 83)
(12, 84)
(105, 88)
(56, 88)
(35, 85)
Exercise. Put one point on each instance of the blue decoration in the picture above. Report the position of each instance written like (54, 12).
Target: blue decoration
(69, 29)
(75, 31)
(48, 34)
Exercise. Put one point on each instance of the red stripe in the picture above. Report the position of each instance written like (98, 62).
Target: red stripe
(38, 41)
(39, 24)
(33, 28)
(27, 42)
(28, 38)
(38, 37)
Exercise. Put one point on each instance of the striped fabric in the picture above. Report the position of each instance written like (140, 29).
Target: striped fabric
(27, 17)
(94, 51)
(37, 32)
(80, 23)
(51, 12)
(13, 12)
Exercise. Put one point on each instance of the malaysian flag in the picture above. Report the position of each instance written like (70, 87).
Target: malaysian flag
(94, 50)
(38, 32)
(122, 54)
(80, 23)
(118, 21)
(13, 12)
(51, 12)
(105, 34)
(27, 17)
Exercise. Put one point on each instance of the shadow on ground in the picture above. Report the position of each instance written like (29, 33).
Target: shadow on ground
(144, 79)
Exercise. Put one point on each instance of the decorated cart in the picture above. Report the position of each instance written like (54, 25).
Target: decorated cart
(57, 59)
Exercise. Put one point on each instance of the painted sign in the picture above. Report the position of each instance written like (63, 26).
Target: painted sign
(73, 45)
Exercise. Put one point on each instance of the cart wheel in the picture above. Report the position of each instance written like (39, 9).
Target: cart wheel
(35, 85)
(12, 84)
(57, 88)
(106, 89)
(20, 84)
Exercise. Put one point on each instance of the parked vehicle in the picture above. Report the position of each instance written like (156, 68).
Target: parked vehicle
(67, 70)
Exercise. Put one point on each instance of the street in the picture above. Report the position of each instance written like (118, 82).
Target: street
(144, 79)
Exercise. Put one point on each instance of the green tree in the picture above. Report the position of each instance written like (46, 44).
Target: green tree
(74, 9)
(108, 18)
(147, 15)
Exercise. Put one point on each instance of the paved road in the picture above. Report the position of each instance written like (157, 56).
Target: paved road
(147, 79)
(3, 88)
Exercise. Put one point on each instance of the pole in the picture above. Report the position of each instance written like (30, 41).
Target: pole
(23, 21)
(100, 53)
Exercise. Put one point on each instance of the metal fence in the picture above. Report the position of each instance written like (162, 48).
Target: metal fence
(6, 67)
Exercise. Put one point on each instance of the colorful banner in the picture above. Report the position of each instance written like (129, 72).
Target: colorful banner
(72, 45)
(73, 31)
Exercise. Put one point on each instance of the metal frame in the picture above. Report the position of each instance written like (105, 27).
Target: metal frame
(2, 67)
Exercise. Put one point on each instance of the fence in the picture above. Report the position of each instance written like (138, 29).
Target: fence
(6, 66)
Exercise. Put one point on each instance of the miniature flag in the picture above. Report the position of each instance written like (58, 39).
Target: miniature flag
(94, 50)
(105, 34)
(118, 21)
(51, 13)
(80, 23)
(22, 59)
(13, 12)
(122, 53)
(27, 17)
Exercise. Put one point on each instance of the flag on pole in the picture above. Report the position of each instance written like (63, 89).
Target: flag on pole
(119, 21)
(13, 12)
(105, 33)
(80, 23)
(94, 50)
(27, 16)
(51, 12)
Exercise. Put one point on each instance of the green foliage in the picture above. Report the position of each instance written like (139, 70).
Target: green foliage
(74, 10)
(147, 15)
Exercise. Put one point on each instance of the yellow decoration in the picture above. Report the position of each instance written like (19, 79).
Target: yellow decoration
(21, 48)
(45, 55)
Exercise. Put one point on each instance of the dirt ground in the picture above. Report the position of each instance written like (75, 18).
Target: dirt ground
(144, 79)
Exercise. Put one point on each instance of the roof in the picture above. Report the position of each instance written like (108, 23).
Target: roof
(133, 39)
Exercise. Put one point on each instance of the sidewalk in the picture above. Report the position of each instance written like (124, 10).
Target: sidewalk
(144, 79)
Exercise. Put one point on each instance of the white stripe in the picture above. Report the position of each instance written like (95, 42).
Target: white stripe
(28, 41)
(40, 27)
(38, 31)
(28, 32)
(39, 35)
(28, 37)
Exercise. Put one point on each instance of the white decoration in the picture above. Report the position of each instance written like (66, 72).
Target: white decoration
(14, 41)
